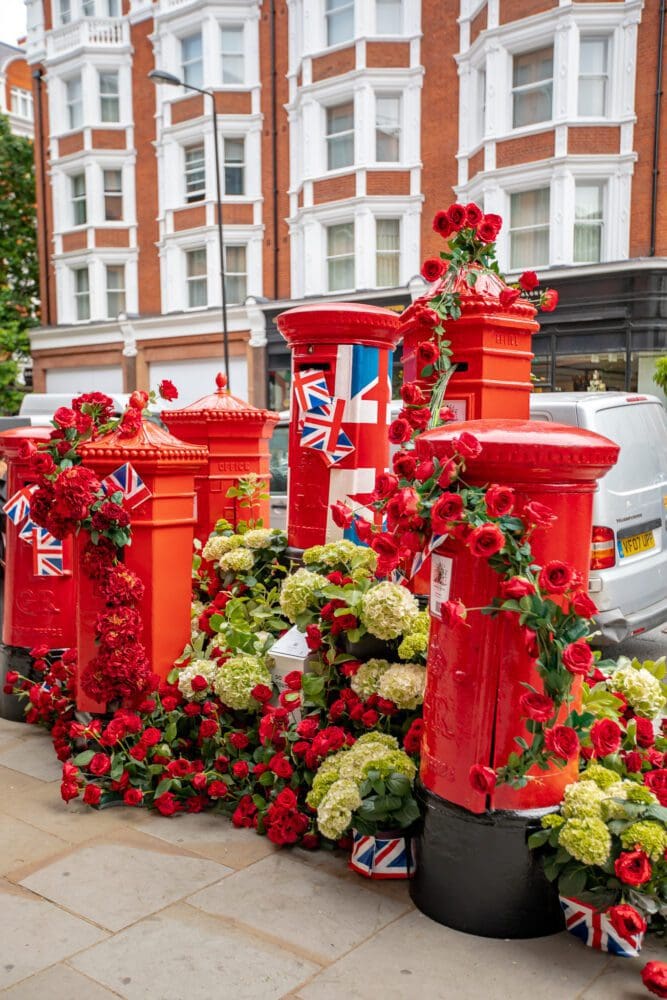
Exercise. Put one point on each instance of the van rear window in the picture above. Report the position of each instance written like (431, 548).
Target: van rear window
(641, 431)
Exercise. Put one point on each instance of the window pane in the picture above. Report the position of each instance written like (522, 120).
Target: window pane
(88, 8)
(191, 58)
(340, 136)
(588, 223)
(235, 260)
(110, 107)
(82, 293)
(529, 208)
(195, 174)
(388, 239)
(340, 21)
(113, 8)
(234, 166)
(529, 228)
(588, 201)
(592, 96)
(388, 233)
(340, 239)
(196, 263)
(74, 102)
(532, 75)
(389, 17)
(340, 254)
(79, 199)
(387, 129)
(65, 11)
(341, 274)
(113, 195)
(532, 106)
(593, 55)
(532, 67)
(115, 290)
(232, 54)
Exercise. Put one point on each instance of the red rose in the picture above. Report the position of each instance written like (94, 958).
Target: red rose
(606, 737)
(385, 485)
(633, 867)
(240, 769)
(280, 766)
(644, 733)
(239, 740)
(217, 789)
(446, 509)
(139, 399)
(633, 761)
(411, 394)
(516, 588)
(208, 728)
(307, 727)
(69, 790)
(385, 547)
(508, 297)
(64, 417)
(100, 764)
(528, 281)
(654, 978)
(425, 470)
(457, 215)
(488, 228)
(453, 613)
(448, 474)
(167, 390)
(364, 529)
(657, 782)
(583, 606)
(43, 463)
(549, 300)
(493, 220)
(179, 768)
(486, 540)
(427, 353)
(474, 215)
(341, 514)
(399, 431)
(578, 657)
(441, 224)
(418, 418)
(293, 680)
(151, 736)
(433, 268)
(369, 718)
(626, 921)
(130, 425)
(482, 779)
(92, 795)
(262, 693)
(556, 577)
(404, 464)
(413, 737)
(535, 706)
(538, 514)
(466, 444)
(166, 804)
(313, 637)
(562, 741)
(133, 797)
(499, 500)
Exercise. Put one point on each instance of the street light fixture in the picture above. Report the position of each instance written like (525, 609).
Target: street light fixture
(161, 76)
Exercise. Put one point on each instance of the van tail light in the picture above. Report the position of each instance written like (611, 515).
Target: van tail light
(603, 552)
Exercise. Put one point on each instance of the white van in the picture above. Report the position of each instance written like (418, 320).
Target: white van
(628, 576)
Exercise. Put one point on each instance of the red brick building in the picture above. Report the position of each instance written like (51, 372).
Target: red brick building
(344, 125)
(16, 90)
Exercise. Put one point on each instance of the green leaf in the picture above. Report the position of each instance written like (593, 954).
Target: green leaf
(83, 758)
(572, 883)
(538, 838)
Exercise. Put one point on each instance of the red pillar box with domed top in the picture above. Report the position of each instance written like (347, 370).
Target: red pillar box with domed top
(341, 392)
(237, 437)
(490, 344)
(163, 469)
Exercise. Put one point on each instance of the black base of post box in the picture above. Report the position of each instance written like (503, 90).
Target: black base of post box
(13, 658)
(475, 873)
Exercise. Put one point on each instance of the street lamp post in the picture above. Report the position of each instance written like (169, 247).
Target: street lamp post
(161, 76)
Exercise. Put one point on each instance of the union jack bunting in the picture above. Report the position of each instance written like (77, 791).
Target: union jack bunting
(595, 929)
(47, 554)
(322, 431)
(421, 557)
(131, 485)
(17, 507)
(381, 857)
(310, 388)
(27, 530)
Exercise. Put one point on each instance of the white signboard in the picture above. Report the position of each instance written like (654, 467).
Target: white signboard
(441, 581)
(459, 406)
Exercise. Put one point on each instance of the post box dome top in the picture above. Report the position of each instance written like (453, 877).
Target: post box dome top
(481, 297)
(12, 439)
(151, 443)
(340, 323)
(219, 405)
(527, 451)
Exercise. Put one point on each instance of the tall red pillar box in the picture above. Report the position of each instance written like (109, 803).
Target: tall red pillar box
(471, 843)
(341, 392)
(237, 437)
(490, 343)
(161, 549)
(38, 610)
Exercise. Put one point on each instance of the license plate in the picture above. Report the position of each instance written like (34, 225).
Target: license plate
(636, 543)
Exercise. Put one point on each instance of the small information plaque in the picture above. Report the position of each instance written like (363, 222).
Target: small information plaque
(441, 581)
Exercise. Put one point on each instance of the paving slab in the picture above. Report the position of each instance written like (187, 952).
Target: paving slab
(114, 883)
(416, 957)
(34, 934)
(184, 953)
(621, 977)
(21, 844)
(60, 982)
(319, 914)
(211, 835)
(36, 758)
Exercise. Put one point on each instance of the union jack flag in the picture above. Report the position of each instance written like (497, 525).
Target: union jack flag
(595, 929)
(381, 857)
(17, 507)
(26, 531)
(322, 431)
(47, 554)
(421, 557)
(127, 480)
(310, 388)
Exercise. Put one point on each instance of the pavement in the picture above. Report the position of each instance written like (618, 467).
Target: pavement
(125, 903)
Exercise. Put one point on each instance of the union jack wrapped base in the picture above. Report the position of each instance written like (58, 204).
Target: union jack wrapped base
(382, 856)
(595, 928)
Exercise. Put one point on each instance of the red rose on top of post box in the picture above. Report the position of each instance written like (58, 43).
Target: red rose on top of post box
(556, 577)
(578, 657)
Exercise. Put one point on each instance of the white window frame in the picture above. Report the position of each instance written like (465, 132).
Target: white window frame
(71, 105)
(395, 254)
(192, 280)
(602, 185)
(525, 88)
(233, 54)
(121, 291)
(332, 137)
(21, 103)
(112, 193)
(79, 202)
(111, 99)
(199, 61)
(230, 298)
(196, 194)
(538, 226)
(81, 296)
(237, 165)
(331, 14)
(398, 128)
(329, 257)
(606, 75)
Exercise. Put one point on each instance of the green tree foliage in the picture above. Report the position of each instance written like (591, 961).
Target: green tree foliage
(660, 373)
(19, 268)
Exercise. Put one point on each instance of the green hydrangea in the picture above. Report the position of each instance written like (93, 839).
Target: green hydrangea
(367, 678)
(640, 794)
(259, 538)
(202, 668)
(299, 590)
(650, 836)
(602, 776)
(341, 553)
(583, 799)
(552, 821)
(374, 737)
(642, 690)
(613, 806)
(391, 762)
(422, 623)
(413, 645)
(334, 814)
(237, 561)
(404, 684)
(327, 773)
(218, 545)
(236, 679)
(587, 839)
(388, 610)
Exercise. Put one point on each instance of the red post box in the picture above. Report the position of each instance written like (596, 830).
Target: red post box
(491, 348)
(161, 549)
(472, 842)
(237, 437)
(341, 392)
(38, 610)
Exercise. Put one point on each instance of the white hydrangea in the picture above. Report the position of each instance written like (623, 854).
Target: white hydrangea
(218, 545)
(202, 668)
(258, 538)
(237, 561)
(388, 610)
(643, 691)
(298, 590)
(367, 678)
(236, 679)
(404, 684)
